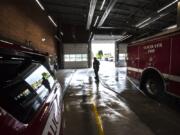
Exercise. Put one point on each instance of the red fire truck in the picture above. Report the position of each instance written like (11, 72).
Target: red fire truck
(155, 63)
(30, 97)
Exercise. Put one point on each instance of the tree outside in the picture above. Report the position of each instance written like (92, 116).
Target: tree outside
(99, 55)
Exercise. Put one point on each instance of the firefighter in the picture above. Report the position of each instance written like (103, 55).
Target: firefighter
(96, 68)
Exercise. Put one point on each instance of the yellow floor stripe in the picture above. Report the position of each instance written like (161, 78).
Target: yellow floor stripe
(98, 120)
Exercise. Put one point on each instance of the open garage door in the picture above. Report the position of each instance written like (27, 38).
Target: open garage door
(75, 55)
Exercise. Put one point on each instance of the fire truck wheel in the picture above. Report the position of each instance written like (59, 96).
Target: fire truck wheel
(153, 85)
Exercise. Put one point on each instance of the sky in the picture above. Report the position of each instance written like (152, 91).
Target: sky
(106, 47)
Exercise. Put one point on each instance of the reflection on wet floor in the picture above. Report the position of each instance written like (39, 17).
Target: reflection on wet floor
(117, 80)
(115, 115)
(93, 108)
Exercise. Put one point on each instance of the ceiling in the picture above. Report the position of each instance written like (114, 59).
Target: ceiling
(130, 19)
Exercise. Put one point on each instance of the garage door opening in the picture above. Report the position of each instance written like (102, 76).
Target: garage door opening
(104, 51)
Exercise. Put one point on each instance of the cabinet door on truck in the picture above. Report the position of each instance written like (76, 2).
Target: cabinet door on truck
(133, 61)
(174, 76)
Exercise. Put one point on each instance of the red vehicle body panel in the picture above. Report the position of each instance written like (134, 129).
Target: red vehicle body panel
(47, 120)
(160, 53)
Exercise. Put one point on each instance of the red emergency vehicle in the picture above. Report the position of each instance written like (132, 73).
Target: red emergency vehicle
(30, 97)
(155, 63)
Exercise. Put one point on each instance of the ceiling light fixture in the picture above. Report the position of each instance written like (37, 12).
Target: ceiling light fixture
(120, 38)
(143, 22)
(6, 42)
(155, 19)
(41, 6)
(61, 33)
(56, 37)
(124, 38)
(96, 21)
(14, 58)
(91, 34)
(50, 18)
(170, 4)
(43, 39)
(171, 27)
(128, 36)
(102, 5)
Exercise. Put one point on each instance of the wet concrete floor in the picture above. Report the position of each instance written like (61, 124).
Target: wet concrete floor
(114, 106)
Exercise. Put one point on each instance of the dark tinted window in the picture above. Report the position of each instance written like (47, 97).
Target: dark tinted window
(23, 90)
(20, 101)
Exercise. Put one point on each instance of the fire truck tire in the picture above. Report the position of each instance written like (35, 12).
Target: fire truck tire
(153, 85)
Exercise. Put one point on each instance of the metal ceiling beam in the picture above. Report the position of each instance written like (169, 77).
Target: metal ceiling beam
(91, 13)
(115, 30)
(107, 11)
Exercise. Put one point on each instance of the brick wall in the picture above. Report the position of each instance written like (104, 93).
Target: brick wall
(23, 20)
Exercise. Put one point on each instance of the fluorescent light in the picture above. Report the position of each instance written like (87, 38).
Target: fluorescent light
(6, 42)
(160, 16)
(91, 34)
(143, 22)
(120, 38)
(50, 18)
(124, 38)
(26, 47)
(62, 33)
(170, 4)
(96, 21)
(56, 37)
(41, 6)
(171, 27)
(102, 4)
(43, 39)
(14, 58)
